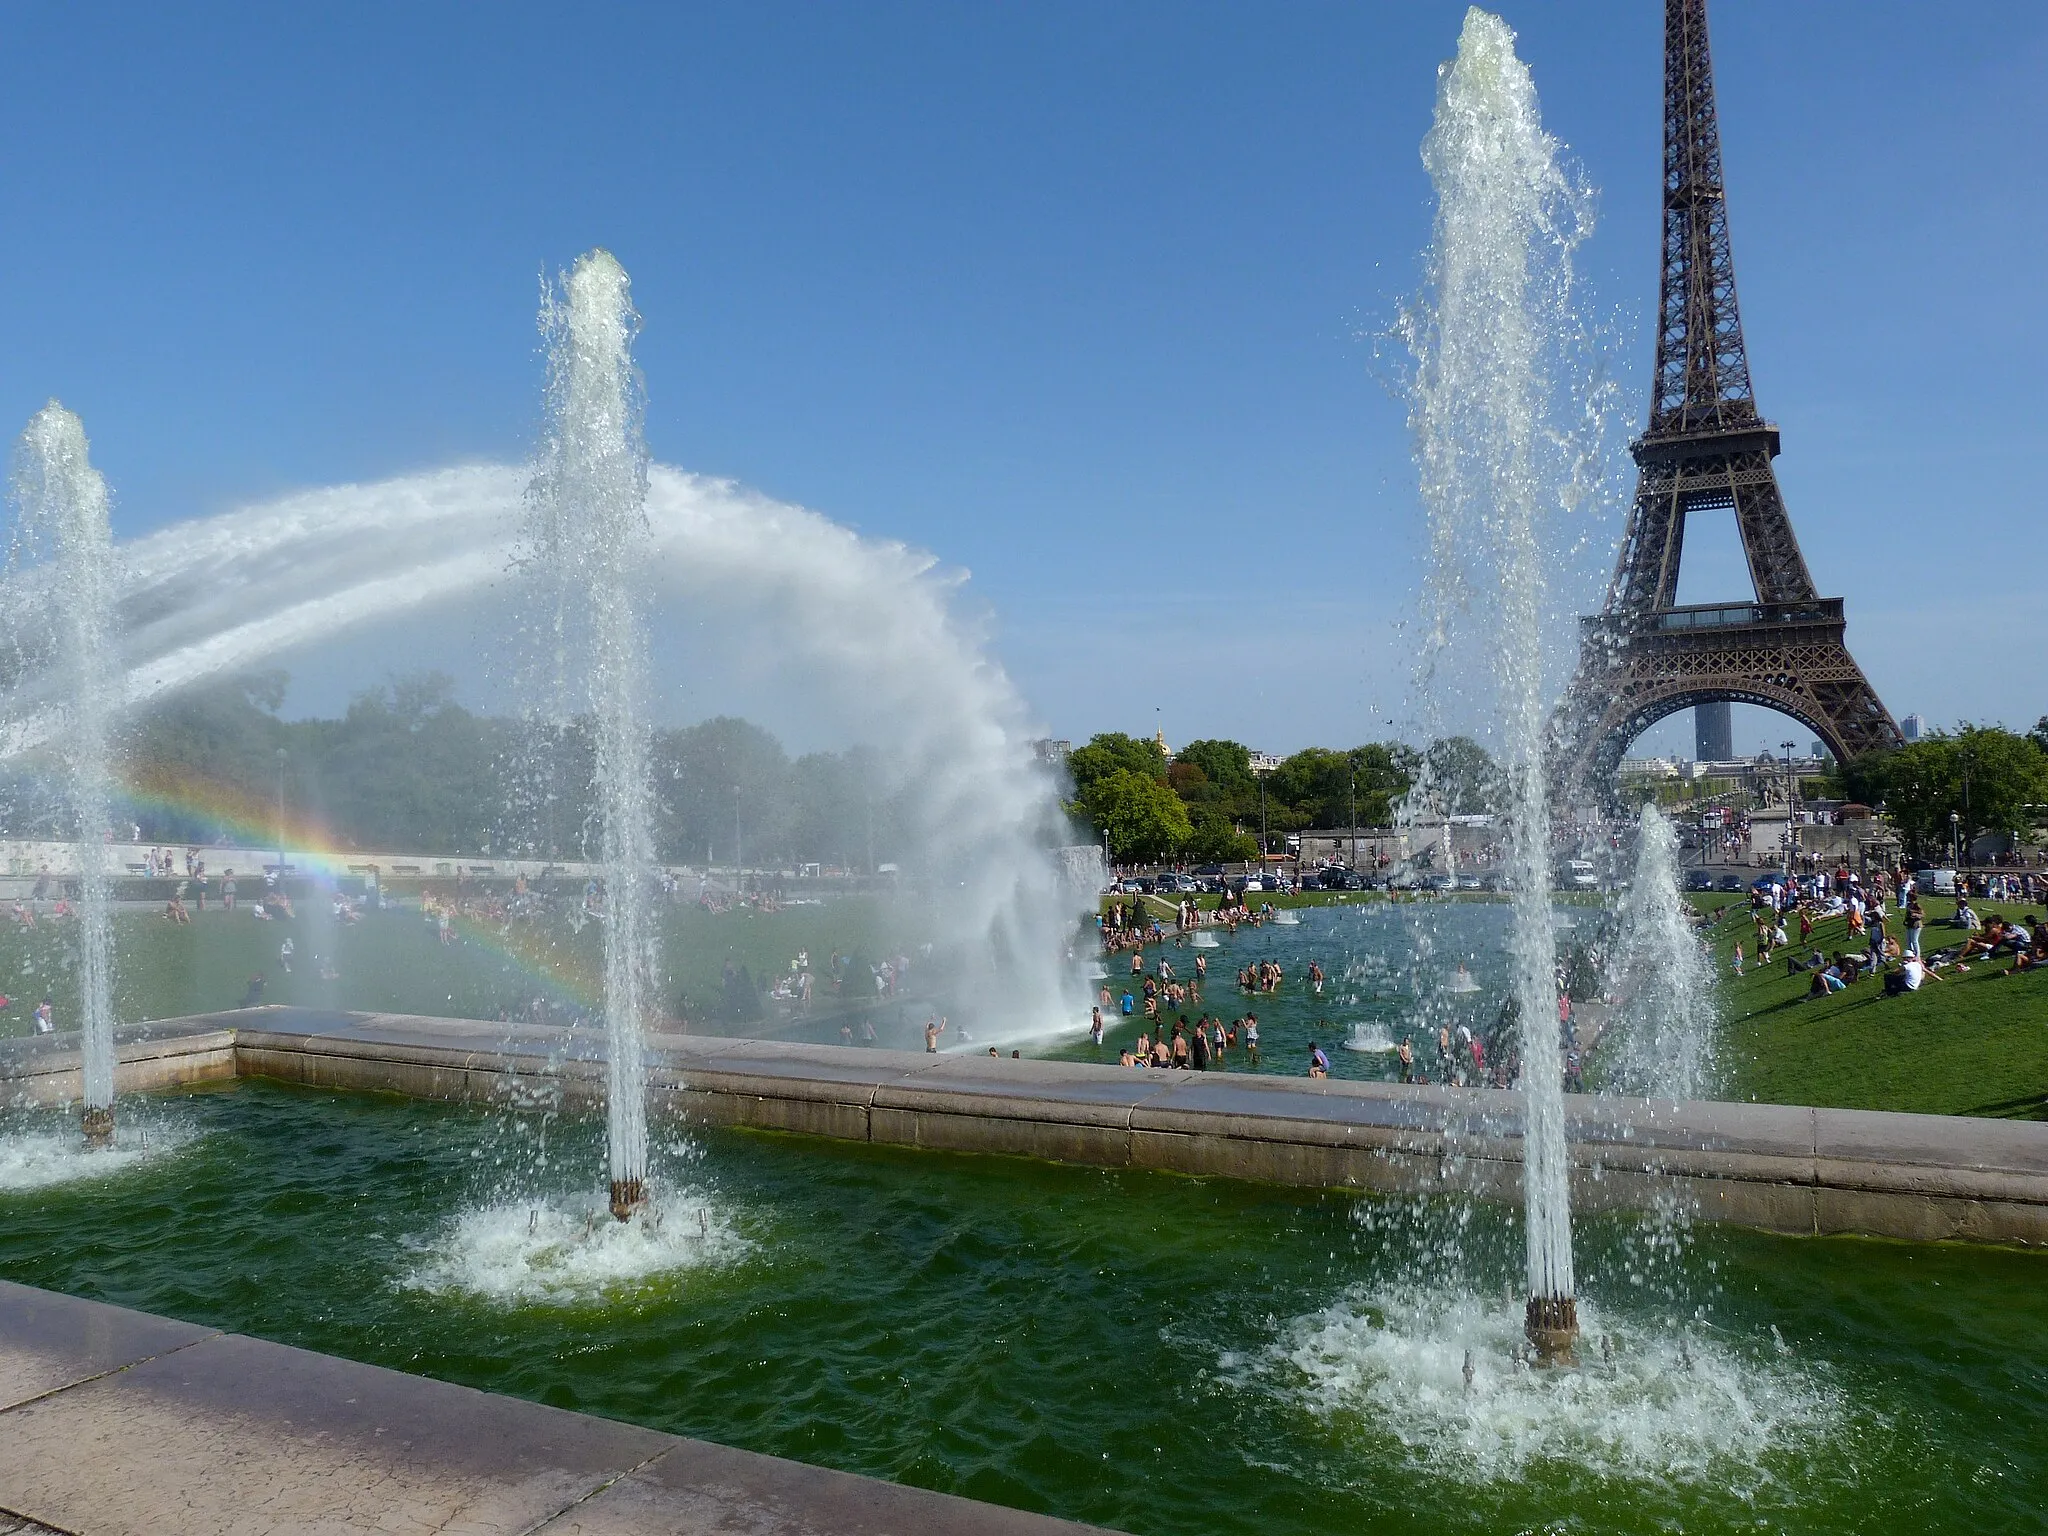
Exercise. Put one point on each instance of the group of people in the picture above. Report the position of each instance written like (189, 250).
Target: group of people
(1201, 1046)
(1873, 949)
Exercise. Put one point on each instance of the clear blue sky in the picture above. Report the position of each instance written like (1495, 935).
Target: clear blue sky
(1069, 294)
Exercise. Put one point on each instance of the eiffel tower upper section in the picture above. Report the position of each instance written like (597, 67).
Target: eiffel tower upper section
(1706, 447)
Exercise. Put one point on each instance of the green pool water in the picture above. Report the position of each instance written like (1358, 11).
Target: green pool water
(1155, 1354)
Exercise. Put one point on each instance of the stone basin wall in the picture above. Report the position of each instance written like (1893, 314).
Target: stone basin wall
(1781, 1168)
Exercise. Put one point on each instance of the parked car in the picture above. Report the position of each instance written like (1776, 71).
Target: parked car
(1440, 883)
(1729, 883)
(1699, 880)
(1579, 875)
(1337, 880)
(1939, 882)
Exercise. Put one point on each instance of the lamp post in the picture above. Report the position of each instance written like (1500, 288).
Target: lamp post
(1955, 844)
(1791, 785)
(281, 755)
(1354, 818)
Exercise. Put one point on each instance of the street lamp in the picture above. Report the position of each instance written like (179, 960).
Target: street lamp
(1790, 787)
(1354, 817)
(281, 755)
(1955, 843)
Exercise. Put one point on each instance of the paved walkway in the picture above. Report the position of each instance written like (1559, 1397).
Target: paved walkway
(115, 1422)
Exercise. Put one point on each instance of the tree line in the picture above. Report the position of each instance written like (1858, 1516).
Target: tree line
(1991, 780)
(407, 768)
(1205, 804)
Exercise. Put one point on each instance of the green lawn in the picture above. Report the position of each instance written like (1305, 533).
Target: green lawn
(1974, 1044)
(394, 960)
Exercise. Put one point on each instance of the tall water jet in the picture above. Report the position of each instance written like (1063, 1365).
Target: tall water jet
(1490, 435)
(1661, 1044)
(62, 504)
(586, 532)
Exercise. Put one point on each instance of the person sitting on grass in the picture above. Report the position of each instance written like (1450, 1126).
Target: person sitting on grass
(1813, 962)
(1987, 940)
(1908, 977)
(1826, 981)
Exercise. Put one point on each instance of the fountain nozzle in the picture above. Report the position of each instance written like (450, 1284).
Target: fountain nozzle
(1552, 1324)
(98, 1125)
(628, 1195)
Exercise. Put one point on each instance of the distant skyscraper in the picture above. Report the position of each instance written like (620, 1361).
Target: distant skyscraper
(1910, 727)
(1713, 732)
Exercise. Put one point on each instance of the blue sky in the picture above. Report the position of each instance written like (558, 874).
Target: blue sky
(1071, 295)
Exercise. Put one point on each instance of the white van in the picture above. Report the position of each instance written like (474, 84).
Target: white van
(1579, 875)
(1937, 882)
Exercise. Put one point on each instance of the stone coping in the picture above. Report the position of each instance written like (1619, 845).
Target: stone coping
(188, 1431)
(1784, 1167)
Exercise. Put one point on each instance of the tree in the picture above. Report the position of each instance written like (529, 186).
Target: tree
(1144, 819)
(1466, 775)
(1216, 840)
(1318, 784)
(1114, 752)
(1990, 779)
(1225, 764)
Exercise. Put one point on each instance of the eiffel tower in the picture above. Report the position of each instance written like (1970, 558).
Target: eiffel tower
(1643, 657)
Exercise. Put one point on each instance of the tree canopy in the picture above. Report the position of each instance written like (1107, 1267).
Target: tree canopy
(1991, 779)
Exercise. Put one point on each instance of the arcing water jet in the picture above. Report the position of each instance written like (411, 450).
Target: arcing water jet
(586, 533)
(62, 501)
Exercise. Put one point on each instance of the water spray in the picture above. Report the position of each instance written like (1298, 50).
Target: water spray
(63, 519)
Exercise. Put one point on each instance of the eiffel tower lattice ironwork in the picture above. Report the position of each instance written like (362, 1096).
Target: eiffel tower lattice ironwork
(1643, 657)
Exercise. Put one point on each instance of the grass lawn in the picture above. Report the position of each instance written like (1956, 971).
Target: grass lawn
(394, 960)
(1974, 1044)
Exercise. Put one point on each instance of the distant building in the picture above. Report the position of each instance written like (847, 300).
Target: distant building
(1911, 727)
(1713, 731)
(1649, 767)
(1264, 762)
(1048, 750)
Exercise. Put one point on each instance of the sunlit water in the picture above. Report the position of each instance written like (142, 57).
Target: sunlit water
(1165, 1356)
(40, 1149)
(584, 556)
(1488, 411)
(63, 536)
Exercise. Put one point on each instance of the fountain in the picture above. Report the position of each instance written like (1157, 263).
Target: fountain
(1661, 1045)
(63, 520)
(1496, 307)
(586, 530)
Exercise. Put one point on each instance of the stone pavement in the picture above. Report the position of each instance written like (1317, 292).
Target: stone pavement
(117, 1423)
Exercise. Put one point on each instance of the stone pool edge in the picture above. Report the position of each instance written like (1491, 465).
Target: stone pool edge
(190, 1430)
(1779, 1168)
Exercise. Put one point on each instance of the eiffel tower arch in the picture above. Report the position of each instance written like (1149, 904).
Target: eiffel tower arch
(1643, 657)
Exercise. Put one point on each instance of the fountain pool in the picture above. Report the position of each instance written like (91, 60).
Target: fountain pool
(1151, 1353)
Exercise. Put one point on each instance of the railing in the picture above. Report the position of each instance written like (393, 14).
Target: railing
(1819, 610)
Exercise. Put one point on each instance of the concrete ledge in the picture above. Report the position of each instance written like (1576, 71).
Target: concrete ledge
(1784, 1168)
(45, 1069)
(189, 1431)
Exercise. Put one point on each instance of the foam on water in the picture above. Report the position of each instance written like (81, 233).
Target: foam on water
(567, 1250)
(1365, 1037)
(41, 1156)
(1287, 919)
(1206, 940)
(1690, 1407)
